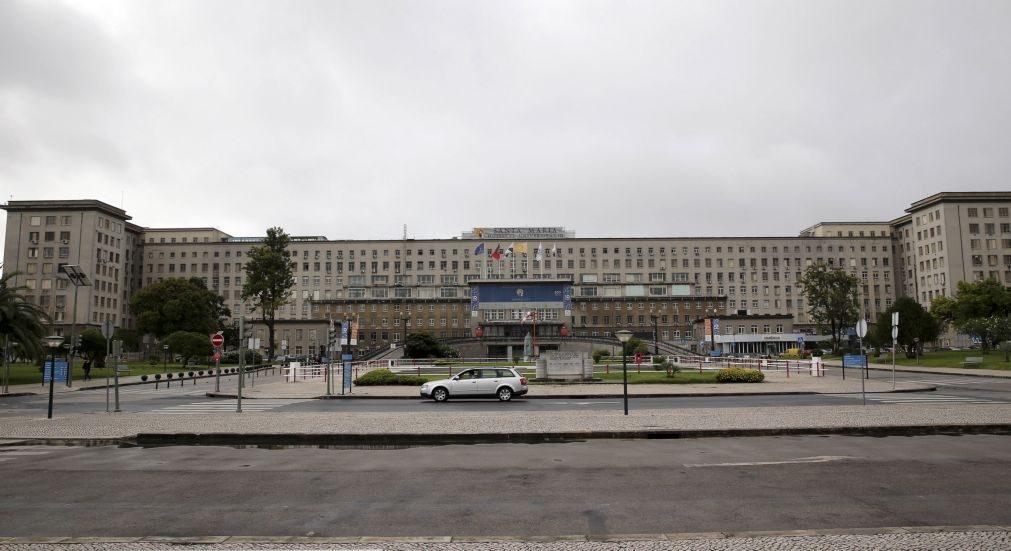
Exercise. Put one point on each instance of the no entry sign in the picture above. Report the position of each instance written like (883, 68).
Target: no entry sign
(217, 339)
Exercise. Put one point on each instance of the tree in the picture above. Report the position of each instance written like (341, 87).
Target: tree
(980, 309)
(93, 346)
(269, 278)
(831, 296)
(425, 345)
(189, 345)
(130, 338)
(175, 305)
(21, 321)
(914, 323)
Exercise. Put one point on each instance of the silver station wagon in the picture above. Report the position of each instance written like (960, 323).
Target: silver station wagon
(480, 382)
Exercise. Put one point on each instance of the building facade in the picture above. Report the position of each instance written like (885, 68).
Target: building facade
(658, 286)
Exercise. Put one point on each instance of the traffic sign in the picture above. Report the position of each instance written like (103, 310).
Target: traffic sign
(862, 328)
(217, 355)
(107, 329)
(638, 357)
(895, 332)
(217, 339)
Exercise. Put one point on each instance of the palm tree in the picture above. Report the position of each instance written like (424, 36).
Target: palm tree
(20, 320)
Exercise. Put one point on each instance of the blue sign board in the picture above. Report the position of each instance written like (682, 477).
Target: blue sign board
(346, 357)
(854, 360)
(474, 300)
(716, 326)
(347, 375)
(525, 292)
(61, 371)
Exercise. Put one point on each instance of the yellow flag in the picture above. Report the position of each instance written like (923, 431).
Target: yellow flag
(521, 247)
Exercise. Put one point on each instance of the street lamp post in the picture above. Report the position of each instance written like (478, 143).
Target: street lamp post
(656, 346)
(714, 326)
(78, 279)
(53, 342)
(164, 358)
(624, 335)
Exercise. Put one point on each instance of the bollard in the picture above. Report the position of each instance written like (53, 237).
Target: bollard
(157, 379)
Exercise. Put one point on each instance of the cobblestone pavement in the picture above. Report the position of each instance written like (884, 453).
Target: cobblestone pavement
(934, 538)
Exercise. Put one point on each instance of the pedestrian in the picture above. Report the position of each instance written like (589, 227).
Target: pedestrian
(87, 369)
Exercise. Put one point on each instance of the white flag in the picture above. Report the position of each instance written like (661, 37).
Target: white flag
(554, 249)
(540, 252)
(509, 251)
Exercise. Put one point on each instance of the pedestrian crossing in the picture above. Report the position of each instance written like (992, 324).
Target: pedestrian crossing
(920, 398)
(140, 391)
(223, 406)
(945, 381)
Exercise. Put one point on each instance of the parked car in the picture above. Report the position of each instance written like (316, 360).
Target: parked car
(481, 382)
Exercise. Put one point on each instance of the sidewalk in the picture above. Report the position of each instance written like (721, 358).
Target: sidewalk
(434, 423)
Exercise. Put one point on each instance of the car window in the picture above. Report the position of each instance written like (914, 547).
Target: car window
(469, 374)
(489, 373)
(506, 373)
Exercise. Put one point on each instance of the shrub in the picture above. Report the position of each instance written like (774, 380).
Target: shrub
(737, 375)
(385, 377)
(600, 354)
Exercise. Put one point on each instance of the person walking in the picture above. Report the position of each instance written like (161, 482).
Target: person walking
(86, 366)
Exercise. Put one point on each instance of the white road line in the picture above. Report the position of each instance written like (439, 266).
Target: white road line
(217, 407)
(816, 459)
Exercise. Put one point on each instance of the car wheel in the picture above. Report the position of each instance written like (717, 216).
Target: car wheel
(440, 394)
(505, 394)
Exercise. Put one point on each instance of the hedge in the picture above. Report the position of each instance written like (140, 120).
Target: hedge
(384, 377)
(737, 375)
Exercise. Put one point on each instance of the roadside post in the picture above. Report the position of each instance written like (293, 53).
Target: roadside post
(217, 341)
(107, 333)
(861, 333)
(238, 403)
(895, 340)
(117, 351)
(624, 336)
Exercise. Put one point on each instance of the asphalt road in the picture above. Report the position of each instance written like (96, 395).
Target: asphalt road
(597, 487)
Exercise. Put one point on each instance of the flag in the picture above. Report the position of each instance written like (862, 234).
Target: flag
(539, 255)
(509, 249)
(531, 315)
(479, 232)
(479, 249)
(497, 253)
(554, 249)
(521, 248)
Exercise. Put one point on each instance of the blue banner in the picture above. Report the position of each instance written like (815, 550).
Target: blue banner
(567, 293)
(347, 375)
(474, 301)
(522, 292)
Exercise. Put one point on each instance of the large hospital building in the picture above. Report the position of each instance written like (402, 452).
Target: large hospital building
(477, 289)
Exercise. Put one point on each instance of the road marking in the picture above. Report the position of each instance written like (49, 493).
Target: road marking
(816, 459)
(219, 406)
(921, 399)
(553, 403)
(8, 453)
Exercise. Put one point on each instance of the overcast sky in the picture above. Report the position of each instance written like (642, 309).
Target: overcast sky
(611, 118)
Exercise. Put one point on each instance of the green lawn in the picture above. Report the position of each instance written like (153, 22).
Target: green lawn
(945, 358)
(24, 373)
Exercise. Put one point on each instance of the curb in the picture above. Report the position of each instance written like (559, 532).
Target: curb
(440, 439)
(670, 536)
(403, 440)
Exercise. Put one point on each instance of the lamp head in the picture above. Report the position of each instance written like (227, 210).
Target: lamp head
(623, 335)
(53, 341)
